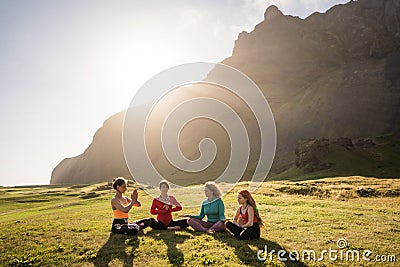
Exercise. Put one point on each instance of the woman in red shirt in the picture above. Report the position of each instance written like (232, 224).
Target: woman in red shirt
(247, 221)
(163, 206)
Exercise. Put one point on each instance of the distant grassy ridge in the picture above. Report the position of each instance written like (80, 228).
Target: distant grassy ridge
(70, 226)
(380, 160)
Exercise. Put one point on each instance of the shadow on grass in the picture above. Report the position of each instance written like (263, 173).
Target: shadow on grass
(249, 256)
(116, 248)
(171, 239)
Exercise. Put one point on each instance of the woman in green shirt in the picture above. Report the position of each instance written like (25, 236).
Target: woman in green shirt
(213, 208)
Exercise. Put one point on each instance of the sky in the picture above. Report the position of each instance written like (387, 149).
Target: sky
(68, 65)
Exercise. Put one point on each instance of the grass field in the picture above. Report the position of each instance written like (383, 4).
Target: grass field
(70, 226)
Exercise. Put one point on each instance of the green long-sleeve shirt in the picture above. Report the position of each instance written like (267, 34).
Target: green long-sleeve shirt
(214, 210)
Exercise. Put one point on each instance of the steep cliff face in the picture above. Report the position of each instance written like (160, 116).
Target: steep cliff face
(330, 75)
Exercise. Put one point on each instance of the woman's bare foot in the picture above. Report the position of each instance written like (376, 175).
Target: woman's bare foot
(210, 231)
(174, 228)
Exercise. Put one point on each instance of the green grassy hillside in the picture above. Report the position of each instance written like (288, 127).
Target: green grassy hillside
(70, 226)
(380, 160)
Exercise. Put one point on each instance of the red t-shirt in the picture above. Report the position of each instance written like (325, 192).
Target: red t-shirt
(163, 215)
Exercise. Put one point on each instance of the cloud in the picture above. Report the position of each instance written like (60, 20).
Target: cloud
(190, 16)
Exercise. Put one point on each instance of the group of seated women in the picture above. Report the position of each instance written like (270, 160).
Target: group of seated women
(245, 225)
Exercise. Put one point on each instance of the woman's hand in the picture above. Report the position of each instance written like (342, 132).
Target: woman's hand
(240, 222)
(134, 196)
(166, 207)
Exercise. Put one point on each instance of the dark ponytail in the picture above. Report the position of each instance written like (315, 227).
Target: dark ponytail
(118, 182)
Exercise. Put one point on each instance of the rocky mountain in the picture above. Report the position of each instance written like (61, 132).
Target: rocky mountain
(332, 75)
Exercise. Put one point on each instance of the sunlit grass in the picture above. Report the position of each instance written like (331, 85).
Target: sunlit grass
(70, 226)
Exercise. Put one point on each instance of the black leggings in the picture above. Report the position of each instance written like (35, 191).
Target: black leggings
(252, 232)
(155, 224)
(121, 226)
